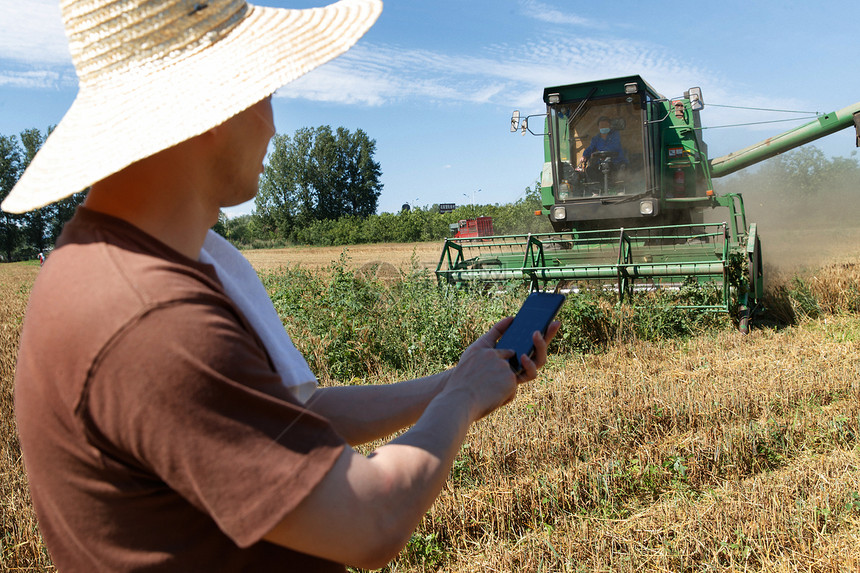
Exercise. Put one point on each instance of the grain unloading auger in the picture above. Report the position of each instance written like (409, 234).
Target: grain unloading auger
(626, 183)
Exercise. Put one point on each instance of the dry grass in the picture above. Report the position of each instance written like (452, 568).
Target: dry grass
(723, 453)
(399, 255)
(21, 547)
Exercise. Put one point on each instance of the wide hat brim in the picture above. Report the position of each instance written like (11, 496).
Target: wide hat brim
(153, 108)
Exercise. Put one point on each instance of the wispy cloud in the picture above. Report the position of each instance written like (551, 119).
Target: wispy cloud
(501, 74)
(32, 32)
(546, 13)
(38, 78)
(34, 47)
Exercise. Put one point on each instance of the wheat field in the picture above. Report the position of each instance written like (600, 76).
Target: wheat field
(718, 453)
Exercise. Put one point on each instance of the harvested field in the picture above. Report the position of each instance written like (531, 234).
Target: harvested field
(21, 544)
(399, 255)
(723, 453)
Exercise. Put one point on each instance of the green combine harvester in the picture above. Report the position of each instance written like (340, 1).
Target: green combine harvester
(627, 185)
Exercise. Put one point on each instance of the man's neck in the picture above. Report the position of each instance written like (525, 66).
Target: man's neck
(163, 195)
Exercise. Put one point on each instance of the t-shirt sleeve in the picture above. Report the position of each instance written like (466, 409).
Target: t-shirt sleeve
(184, 394)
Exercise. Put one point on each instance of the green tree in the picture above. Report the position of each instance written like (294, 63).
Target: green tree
(37, 220)
(799, 189)
(61, 211)
(844, 173)
(220, 226)
(235, 230)
(317, 175)
(10, 170)
(359, 182)
(22, 236)
(802, 170)
(282, 194)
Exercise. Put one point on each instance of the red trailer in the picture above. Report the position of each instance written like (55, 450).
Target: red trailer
(478, 227)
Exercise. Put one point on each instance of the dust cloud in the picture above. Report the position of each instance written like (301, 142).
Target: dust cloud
(800, 232)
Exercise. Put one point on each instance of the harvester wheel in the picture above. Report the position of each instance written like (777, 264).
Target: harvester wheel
(756, 273)
(755, 284)
(744, 320)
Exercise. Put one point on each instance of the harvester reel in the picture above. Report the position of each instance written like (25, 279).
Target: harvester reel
(478, 263)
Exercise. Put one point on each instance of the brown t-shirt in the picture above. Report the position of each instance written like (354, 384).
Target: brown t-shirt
(156, 433)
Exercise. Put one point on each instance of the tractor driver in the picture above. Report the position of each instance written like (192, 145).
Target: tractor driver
(609, 141)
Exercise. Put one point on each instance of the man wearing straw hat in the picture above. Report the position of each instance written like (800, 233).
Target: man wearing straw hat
(176, 427)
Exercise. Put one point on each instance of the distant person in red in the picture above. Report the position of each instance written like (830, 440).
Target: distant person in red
(41, 259)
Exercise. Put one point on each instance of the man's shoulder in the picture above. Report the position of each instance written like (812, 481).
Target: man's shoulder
(102, 283)
(103, 258)
(101, 277)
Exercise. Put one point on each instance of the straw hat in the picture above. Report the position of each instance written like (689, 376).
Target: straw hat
(153, 73)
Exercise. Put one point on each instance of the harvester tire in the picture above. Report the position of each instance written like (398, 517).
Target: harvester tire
(756, 273)
(744, 320)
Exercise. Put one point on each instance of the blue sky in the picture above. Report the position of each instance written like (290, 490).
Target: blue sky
(434, 83)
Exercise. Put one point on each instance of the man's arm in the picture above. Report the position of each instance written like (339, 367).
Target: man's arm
(370, 505)
(594, 145)
(586, 153)
(362, 414)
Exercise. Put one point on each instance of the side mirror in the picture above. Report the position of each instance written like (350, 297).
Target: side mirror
(697, 103)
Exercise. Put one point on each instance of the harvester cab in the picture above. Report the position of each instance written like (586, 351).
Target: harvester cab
(625, 184)
(618, 154)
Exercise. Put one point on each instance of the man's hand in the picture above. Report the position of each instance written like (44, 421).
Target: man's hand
(484, 373)
(532, 365)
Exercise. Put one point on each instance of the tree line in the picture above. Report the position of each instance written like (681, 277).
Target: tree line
(24, 236)
(804, 173)
(320, 186)
(411, 225)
